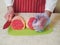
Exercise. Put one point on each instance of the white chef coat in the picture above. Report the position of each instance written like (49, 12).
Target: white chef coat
(50, 4)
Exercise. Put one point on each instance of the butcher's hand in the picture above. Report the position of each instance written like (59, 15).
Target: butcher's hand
(43, 19)
(9, 14)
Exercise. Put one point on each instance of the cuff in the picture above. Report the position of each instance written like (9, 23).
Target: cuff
(51, 10)
(9, 5)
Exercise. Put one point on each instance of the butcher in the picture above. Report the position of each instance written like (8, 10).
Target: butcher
(44, 7)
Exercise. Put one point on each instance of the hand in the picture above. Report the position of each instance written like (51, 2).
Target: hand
(9, 14)
(42, 21)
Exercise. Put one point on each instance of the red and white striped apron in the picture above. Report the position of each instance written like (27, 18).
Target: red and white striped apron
(29, 6)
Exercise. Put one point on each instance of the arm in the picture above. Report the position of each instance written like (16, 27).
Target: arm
(43, 19)
(9, 2)
(10, 11)
(50, 5)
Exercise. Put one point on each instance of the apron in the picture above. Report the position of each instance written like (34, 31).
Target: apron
(29, 6)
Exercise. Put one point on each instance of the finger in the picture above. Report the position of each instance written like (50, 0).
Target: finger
(6, 16)
(10, 17)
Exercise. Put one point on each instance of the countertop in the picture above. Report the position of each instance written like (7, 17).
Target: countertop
(52, 38)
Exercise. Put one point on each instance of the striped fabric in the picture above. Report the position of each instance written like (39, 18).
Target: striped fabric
(29, 6)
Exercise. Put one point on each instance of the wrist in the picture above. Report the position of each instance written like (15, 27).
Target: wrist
(48, 13)
(10, 9)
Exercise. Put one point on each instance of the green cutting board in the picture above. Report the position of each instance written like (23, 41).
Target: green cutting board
(28, 32)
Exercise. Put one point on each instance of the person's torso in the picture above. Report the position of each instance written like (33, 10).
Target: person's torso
(29, 6)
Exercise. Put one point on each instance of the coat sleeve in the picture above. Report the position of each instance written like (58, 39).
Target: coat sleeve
(50, 5)
(9, 2)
